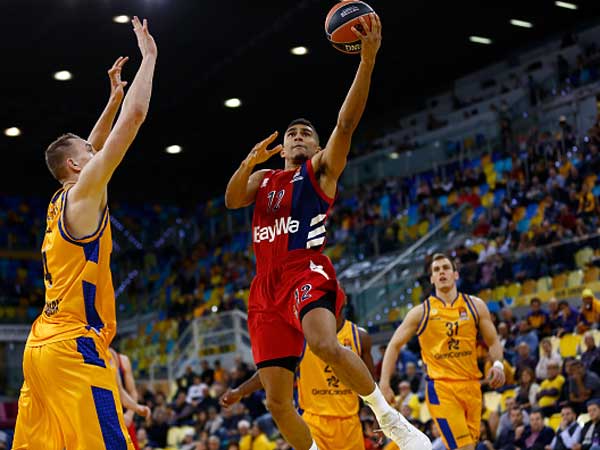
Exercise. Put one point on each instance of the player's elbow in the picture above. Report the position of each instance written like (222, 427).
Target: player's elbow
(346, 125)
(138, 114)
(231, 202)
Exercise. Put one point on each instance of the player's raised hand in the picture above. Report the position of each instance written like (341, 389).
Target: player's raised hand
(260, 153)
(117, 86)
(370, 37)
(230, 397)
(496, 377)
(144, 38)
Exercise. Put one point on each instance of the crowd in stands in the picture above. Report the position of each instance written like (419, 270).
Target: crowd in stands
(551, 396)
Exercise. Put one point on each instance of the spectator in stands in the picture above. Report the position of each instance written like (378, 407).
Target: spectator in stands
(547, 357)
(188, 441)
(591, 356)
(568, 318)
(214, 443)
(408, 398)
(412, 376)
(3, 440)
(196, 391)
(523, 359)
(527, 389)
(260, 441)
(537, 318)
(569, 431)
(508, 317)
(245, 436)
(530, 338)
(506, 339)
(590, 434)
(508, 434)
(220, 375)
(583, 386)
(535, 435)
(586, 202)
(159, 427)
(183, 411)
(380, 362)
(550, 389)
(509, 417)
(554, 317)
(207, 375)
(485, 437)
(214, 422)
(589, 314)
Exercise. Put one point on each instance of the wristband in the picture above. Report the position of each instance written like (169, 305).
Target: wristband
(498, 365)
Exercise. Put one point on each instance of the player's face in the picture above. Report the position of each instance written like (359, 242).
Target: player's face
(299, 144)
(81, 153)
(443, 276)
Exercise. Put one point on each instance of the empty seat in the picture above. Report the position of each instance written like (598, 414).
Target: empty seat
(544, 284)
(575, 278)
(529, 287)
(559, 281)
(591, 274)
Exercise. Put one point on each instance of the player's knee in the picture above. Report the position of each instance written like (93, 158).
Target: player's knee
(329, 351)
(279, 407)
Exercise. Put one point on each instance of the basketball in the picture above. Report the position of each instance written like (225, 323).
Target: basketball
(339, 22)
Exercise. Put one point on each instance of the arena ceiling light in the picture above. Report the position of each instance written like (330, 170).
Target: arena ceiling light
(566, 5)
(173, 149)
(63, 75)
(299, 51)
(121, 19)
(12, 132)
(521, 23)
(394, 155)
(233, 103)
(480, 40)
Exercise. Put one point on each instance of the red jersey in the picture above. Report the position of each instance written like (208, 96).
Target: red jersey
(289, 214)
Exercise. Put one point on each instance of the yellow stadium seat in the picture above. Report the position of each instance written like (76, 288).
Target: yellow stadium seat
(412, 231)
(423, 228)
(536, 220)
(394, 314)
(554, 421)
(559, 281)
(485, 295)
(568, 344)
(499, 293)
(544, 284)
(490, 178)
(487, 200)
(513, 290)
(452, 197)
(529, 287)
(477, 248)
(575, 278)
(584, 256)
(417, 295)
(488, 168)
(491, 400)
(424, 415)
(506, 394)
(591, 274)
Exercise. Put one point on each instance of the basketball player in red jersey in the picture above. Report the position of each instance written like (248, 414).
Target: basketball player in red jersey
(295, 294)
(70, 397)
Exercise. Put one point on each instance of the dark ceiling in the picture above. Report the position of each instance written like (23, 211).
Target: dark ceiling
(213, 50)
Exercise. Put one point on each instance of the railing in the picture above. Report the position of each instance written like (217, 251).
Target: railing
(218, 336)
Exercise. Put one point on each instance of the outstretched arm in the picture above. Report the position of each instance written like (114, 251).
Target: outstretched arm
(243, 185)
(102, 128)
(332, 161)
(495, 375)
(94, 177)
(402, 335)
(232, 396)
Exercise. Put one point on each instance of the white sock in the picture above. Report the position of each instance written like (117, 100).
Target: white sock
(377, 403)
(314, 446)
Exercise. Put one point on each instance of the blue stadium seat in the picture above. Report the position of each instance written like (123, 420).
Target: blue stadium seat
(532, 210)
(499, 194)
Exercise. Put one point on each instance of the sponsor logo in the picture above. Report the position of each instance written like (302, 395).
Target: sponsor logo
(283, 225)
(297, 177)
(348, 10)
(463, 313)
(450, 355)
(264, 183)
(352, 47)
(332, 392)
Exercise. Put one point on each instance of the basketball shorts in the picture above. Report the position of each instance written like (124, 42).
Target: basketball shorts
(455, 407)
(279, 299)
(336, 433)
(70, 399)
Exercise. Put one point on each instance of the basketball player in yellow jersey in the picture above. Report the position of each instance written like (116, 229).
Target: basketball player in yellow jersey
(329, 408)
(447, 325)
(69, 399)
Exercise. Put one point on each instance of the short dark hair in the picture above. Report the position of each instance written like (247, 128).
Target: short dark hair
(438, 256)
(537, 411)
(56, 154)
(571, 407)
(535, 300)
(302, 121)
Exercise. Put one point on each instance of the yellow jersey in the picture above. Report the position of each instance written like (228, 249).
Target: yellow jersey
(448, 338)
(320, 392)
(79, 290)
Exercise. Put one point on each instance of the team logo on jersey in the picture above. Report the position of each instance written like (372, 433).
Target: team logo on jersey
(282, 225)
(51, 307)
(463, 313)
(347, 343)
(264, 183)
(297, 177)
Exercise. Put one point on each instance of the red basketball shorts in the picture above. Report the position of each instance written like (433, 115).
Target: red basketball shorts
(278, 298)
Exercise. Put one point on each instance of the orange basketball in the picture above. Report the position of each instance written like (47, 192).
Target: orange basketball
(339, 22)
